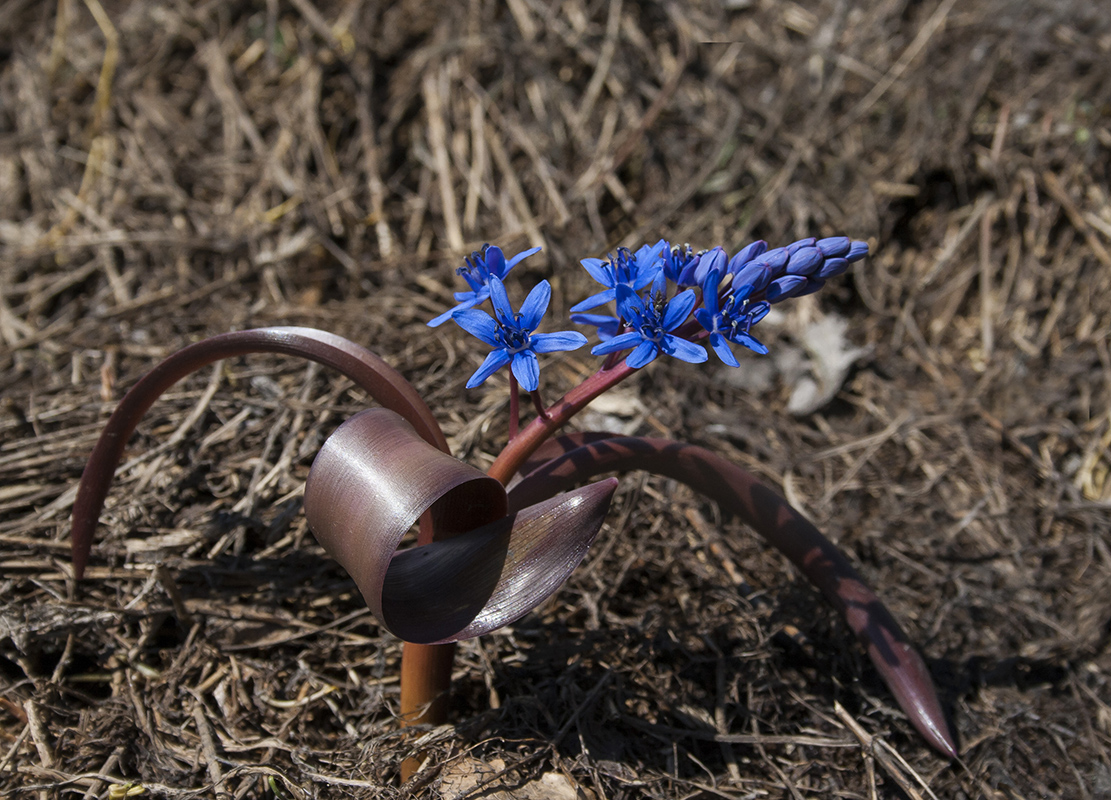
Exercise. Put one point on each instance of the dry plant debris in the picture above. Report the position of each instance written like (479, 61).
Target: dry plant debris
(172, 171)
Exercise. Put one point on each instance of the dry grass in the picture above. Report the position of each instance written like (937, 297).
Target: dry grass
(171, 171)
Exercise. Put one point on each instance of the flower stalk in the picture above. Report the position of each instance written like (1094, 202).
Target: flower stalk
(486, 556)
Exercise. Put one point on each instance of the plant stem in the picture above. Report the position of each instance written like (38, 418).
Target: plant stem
(518, 450)
(426, 669)
(425, 687)
(426, 674)
(538, 403)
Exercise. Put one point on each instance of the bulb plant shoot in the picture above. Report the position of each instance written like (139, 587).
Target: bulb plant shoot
(492, 546)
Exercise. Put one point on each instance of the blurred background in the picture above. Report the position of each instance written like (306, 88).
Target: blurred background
(169, 171)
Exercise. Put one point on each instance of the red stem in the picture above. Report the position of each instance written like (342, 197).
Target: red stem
(426, 669)
(517, 452)
(538, 403)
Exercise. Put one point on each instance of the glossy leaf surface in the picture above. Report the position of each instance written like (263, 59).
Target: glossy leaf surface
(374, 477)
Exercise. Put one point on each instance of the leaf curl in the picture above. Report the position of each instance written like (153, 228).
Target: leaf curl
(739, 492)
(379, 472)
(385, 384)
(374, 477)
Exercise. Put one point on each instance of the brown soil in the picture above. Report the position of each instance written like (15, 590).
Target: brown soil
(171, 171)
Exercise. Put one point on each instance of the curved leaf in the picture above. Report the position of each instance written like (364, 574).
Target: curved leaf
(374, 477)
(379, 379)
(739, 492)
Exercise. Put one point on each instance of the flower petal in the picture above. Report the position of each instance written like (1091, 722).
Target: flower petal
(478, 323)
(711, 260)
(751, 342)
(629, 304)
(622, 342)
(594, 301)
(756, 274)
(678, 310)
(535, 305)
(600, 270)
(648, 256)
(495, 361)
(607, 326)
(440, 320)
(741, 293)
(757, 248)
(647, 275)
(557, 342)
(773, 261)
(758, 312)
(783, 288)
(526, 369)
(834, 246)
(517, 259)
(794, 247)
(812, 285)
(474, 278)
(502, 309)
(644, 354)
(710, 294)
(804, 261)
(721, 347)
(857, 251)
(683, 350)
(494, 259)
(833, 267)
(686, 277)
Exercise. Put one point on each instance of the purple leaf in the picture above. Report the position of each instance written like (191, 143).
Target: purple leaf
(739, 492)
(379, 379)
(374, 477)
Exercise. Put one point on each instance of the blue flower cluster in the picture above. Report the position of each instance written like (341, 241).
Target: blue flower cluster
(631, 270)
(736, 294)
(652, 322)
(719, 298)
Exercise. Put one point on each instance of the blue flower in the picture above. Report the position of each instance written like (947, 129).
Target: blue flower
(730, 318)
(800, 268)
(762, 270)
(511, 334)
(634, 271)
(680, 264)
(713, 259)
(747, 254)
(481, 267)
(690, 269)
(652, 323)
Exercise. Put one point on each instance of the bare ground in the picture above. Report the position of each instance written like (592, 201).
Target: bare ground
(168, 172)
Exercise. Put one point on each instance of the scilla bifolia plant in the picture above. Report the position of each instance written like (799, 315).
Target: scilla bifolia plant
(493, 546)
